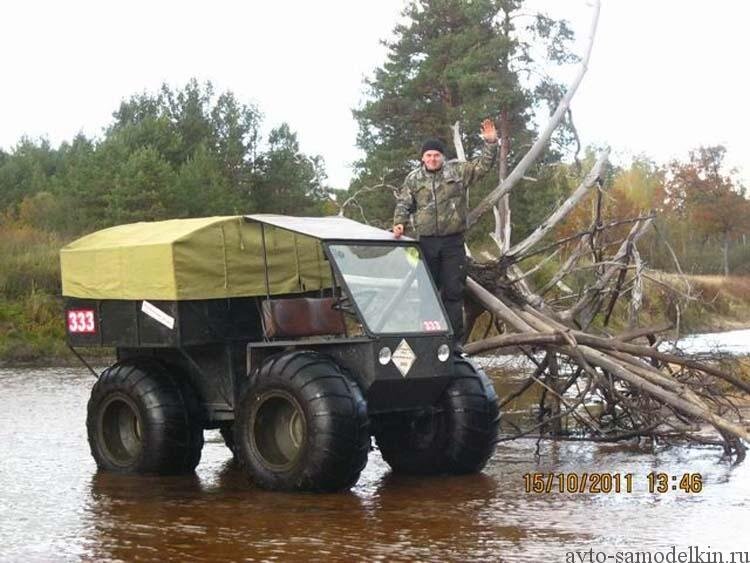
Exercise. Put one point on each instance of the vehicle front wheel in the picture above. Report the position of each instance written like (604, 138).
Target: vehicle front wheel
(302, 425)
(457, 436)
(142, 419)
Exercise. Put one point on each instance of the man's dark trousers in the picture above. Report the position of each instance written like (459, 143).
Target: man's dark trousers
(446, 258)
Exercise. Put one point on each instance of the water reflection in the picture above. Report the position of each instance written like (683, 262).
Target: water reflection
(219, 513)
(55, 506)
(734, 342)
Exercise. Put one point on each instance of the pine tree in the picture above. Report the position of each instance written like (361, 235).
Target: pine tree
(289, 182)
(456, 60)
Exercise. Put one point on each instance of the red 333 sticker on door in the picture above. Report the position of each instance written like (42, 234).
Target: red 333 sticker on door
(81, 321)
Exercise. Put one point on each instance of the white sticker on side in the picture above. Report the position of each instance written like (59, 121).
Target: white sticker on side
(158, 315)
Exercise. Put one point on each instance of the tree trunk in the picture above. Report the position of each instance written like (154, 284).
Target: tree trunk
(502, 208)
(725, 253)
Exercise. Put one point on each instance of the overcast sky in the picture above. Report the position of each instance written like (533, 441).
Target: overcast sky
(666, 76)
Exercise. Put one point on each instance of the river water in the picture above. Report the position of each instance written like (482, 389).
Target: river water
(55, 506)
(735, 342)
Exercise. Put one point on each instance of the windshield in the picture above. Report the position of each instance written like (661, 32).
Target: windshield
(391, 287)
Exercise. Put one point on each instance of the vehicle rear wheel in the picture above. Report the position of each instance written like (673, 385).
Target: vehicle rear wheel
(142, 419)
(458, 436)
(302, 425)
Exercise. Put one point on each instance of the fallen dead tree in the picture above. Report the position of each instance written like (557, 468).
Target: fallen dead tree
(645, 392)
(563, 324)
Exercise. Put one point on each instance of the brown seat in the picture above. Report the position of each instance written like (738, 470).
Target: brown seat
(302, 316)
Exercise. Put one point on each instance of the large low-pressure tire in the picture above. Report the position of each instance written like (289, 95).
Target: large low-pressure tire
(457, 437)
(142, 419)
(302, 425)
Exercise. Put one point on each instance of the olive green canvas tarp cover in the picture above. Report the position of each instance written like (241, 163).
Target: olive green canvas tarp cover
(182, 259)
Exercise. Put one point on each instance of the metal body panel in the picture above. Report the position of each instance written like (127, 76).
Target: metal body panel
(216, 373)
(123, 323)
(384, 386)
(219, 372)
(325, 228)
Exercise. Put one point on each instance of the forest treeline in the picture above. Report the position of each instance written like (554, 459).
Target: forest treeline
(191, 151)
(173, 153)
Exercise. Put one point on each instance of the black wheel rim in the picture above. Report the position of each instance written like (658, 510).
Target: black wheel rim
(278, 430)
(120, 430)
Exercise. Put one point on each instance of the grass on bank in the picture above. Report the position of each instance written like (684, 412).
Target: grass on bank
(716, 303)
(31, 329)
(720, 303)
(29, 262)
(31, 315)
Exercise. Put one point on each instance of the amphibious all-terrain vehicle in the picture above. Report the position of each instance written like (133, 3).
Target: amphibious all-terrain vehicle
(299, 338)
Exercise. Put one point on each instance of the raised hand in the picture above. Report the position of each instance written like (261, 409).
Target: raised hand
(489, 133)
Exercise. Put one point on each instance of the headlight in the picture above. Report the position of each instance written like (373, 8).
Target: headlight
(384, 356)
(443, 353)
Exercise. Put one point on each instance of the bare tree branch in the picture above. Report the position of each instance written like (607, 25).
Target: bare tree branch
(457, 143)
(620, 257)
(591, 179)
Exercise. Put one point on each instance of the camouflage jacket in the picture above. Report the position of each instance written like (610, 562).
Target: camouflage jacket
(437, 200)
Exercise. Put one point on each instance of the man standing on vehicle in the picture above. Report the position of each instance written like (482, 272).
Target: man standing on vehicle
(435, 196)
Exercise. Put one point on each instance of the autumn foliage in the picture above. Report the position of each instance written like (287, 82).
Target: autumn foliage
(700, 209)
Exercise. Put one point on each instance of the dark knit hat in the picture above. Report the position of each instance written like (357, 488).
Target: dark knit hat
(433, 145)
